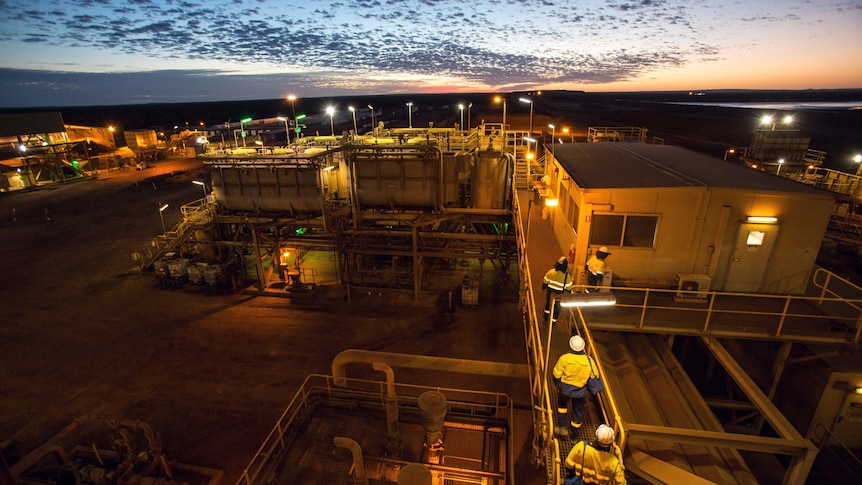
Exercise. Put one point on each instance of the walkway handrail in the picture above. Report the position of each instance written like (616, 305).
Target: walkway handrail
(824, 439)
(607, 396)
(537, 358)
(714, 312)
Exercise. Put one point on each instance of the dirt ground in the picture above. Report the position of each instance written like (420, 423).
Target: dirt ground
(85, 333)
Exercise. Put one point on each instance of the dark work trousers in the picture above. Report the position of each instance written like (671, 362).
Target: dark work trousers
(557, 307)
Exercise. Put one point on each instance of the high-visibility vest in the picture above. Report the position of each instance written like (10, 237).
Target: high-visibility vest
(558, 281)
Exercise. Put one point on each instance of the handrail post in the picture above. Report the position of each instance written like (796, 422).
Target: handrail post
(783, 316)
(709, 312)
(643, 309)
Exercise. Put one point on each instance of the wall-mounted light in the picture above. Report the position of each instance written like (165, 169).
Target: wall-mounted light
(761, 219)
(552, 202)
(588, 299)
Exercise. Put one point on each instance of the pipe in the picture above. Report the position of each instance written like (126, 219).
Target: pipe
(393, 430)
(443, 364)
(359, 475)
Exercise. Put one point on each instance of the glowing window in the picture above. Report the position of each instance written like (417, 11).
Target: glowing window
(755, 238)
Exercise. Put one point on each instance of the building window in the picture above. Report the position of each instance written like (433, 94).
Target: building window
(573, 215)
(623, 230)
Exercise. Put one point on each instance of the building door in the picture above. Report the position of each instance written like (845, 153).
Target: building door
(750, 256)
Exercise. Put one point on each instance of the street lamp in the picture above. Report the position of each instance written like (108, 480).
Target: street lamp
(780, 163)
(461, 107)
(529, 100)
(410, 114)
(353, 111)
(331, 112)
(530, 155)
(162, 217)
(242, 130)
(203, 186)
(286, 128)
(469, 105)
(292, 100)
(858, 159)
(500, 99)
(113, 140)
(553, 137)
(373, 126)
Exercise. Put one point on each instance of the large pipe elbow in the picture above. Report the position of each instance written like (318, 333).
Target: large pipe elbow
(359, 475)
(441, 364)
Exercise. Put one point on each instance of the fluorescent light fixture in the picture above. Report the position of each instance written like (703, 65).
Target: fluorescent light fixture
(331, 167)
(858, 390)
(589, 299)
(197, 182)
(529, 139)
(762, 219)
(551, 202)
(162, 208)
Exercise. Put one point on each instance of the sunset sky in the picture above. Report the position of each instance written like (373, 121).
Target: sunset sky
(100, 52)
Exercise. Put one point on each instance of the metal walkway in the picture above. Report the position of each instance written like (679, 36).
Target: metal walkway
(665, 430)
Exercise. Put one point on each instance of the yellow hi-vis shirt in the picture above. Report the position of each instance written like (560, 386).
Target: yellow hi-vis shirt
(596, 266)
(595, 466)
(558, 281)
(573, 369)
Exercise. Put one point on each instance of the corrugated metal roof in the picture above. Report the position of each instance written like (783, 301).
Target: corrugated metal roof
(14, 124)
(640, 165)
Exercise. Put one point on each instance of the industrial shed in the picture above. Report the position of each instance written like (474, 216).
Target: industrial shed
(675, 217)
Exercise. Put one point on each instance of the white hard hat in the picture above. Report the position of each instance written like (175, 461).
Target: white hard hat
(604, 249)
(604, 435)
(577, 343)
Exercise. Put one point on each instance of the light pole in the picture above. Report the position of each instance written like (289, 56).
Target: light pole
(331, 112)
(162, 217)
(113, 140)
(286, 128)
(292, 100)
(242, 130)
(353, 111)
(858, 159)
(553, 138)
(203, 186)
(410, 114)
(530, 155)
(461, 107)
(469, 105)
(373, 126)
(529, 100)
(780, 163)
(500, 99)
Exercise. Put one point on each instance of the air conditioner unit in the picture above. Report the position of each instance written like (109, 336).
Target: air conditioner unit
(692, 286)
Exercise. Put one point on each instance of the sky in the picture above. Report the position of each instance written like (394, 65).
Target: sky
(107, 52)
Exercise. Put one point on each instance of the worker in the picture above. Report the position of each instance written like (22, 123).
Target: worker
(556, 281)
(596, 462)
(595, 269)
(571, 373)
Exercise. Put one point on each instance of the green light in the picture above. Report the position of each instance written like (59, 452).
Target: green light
(299, 117)
(300, 231)
(245, 120)
(74, 164)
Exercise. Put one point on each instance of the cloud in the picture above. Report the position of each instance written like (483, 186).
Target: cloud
(487, 44)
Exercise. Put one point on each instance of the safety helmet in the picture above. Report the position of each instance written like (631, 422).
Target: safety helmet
(604, 249)
(604, 435)
(577, 343)
(562, 264)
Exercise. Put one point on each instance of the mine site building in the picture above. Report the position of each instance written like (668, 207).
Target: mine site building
(674, 217)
